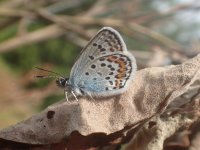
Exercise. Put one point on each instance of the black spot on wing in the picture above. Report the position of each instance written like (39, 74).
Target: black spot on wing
(91, 57)
(107, 78)
(94, 44)
(93, 66)
(103, 65)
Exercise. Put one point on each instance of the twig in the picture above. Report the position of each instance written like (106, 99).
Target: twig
(46, 33)
(63, 23)
(129, 26)
(8, 12)
(12, 3)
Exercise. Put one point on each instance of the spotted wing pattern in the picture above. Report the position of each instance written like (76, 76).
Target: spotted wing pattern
(105, 42)
(108, 75)
(105, 67)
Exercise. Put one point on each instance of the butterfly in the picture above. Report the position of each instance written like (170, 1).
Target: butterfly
(104, 67)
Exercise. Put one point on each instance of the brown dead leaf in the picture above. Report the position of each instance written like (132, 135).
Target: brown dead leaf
(150, 93)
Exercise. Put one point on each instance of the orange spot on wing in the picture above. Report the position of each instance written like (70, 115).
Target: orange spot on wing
(122, 69)
(111, 58)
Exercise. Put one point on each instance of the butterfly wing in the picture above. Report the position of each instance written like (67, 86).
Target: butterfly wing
(106, 41)
(108, 75)
(104, 66)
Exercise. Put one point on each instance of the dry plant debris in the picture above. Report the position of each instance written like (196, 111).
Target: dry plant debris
(140, 113)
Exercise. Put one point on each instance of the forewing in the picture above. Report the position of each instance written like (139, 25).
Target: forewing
(105, 42)
(108, 75)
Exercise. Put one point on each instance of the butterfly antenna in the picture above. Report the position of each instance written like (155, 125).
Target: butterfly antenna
(48, 76)
(49, 72)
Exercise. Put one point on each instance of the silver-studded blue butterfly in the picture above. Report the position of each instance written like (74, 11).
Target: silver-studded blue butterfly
(104, 68)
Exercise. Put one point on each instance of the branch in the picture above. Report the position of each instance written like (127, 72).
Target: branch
(46, 33)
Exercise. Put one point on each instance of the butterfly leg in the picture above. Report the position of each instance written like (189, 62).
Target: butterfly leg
(66, 95)
(74, 95)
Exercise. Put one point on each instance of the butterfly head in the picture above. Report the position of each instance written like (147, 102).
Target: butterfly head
(62, 82)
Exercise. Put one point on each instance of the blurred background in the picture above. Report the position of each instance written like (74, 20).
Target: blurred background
(51, 33)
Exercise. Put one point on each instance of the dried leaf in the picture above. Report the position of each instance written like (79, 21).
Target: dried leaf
(150, 93)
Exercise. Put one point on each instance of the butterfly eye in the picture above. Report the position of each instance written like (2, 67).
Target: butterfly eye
(61, 82)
